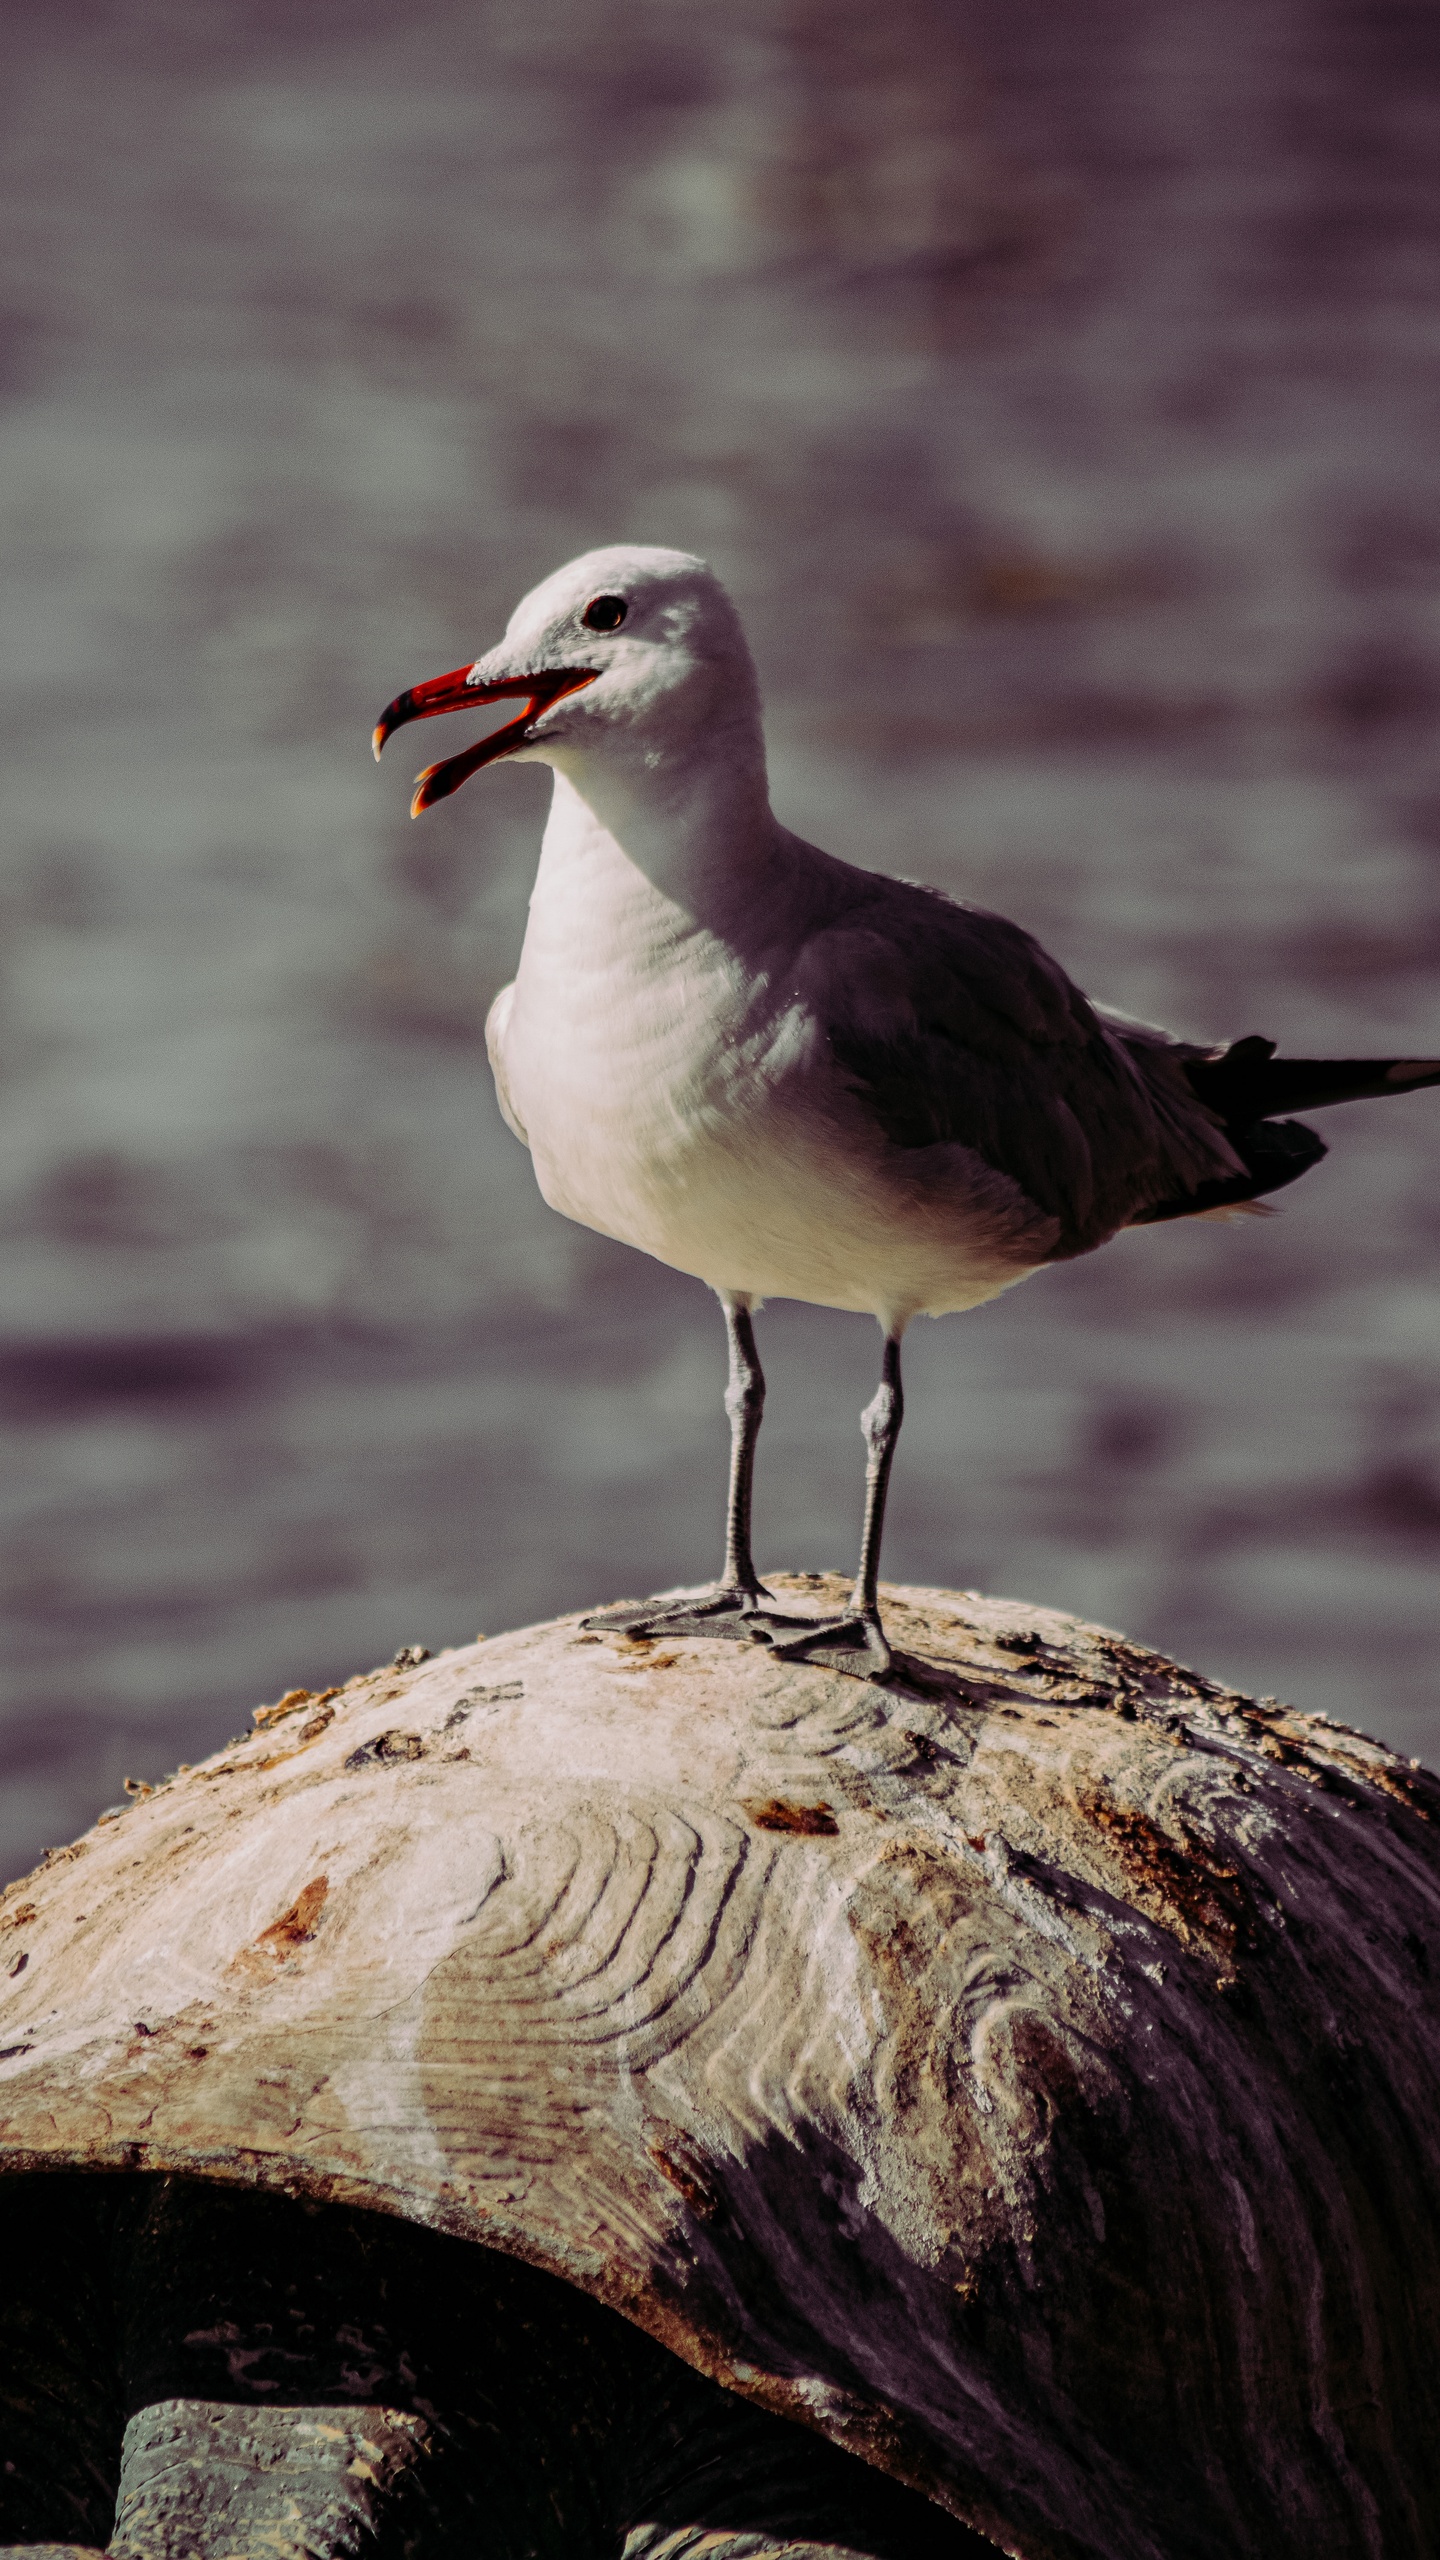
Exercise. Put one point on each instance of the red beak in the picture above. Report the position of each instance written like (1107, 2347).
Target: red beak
(455, 692)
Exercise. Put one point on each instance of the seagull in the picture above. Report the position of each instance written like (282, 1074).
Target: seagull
(794, 1078)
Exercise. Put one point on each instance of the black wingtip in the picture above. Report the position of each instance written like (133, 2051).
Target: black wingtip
(1249, 1083)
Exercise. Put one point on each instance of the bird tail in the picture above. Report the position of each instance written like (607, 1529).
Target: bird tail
(1245, 1083)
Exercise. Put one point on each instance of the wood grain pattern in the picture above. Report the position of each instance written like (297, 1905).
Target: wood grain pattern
(1026, 2074)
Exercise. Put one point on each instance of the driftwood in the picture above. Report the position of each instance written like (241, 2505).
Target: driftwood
(1026, 2073)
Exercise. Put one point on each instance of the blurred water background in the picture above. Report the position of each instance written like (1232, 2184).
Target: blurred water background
(1058, 391)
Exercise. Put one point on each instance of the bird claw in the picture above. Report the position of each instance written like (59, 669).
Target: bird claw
(825, 1638)
(729, 1611)
(745, 1617)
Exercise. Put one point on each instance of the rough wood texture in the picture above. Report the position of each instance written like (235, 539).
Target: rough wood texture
(1027, 2074)
(304, 2380)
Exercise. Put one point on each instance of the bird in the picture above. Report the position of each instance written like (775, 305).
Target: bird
(794, 1078)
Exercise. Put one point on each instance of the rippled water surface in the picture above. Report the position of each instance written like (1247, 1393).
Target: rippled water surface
(1058, 392)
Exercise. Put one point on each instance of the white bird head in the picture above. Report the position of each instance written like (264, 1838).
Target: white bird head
(631, 655)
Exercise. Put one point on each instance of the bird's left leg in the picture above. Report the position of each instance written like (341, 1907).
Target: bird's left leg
(860, 1632)
(739, 1605)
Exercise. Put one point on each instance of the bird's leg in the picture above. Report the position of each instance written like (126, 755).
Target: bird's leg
(739, 1605)
(860, 1630)
(880, 1423)
(745, 1404)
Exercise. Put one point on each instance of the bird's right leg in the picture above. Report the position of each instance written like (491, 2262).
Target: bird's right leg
(739, 1605)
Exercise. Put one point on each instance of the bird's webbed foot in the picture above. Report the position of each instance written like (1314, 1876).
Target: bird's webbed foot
(745, 1611)
(856, 1643)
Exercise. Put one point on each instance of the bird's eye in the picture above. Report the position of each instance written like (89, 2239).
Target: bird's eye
(604, 613)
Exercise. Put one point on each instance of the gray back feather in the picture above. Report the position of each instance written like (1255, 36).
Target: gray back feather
(952, 1025)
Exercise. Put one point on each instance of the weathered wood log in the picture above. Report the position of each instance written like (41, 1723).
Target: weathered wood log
(310, 2381)
(1025, 2073)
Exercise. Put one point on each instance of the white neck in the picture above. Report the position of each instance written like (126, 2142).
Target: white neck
(697, 827)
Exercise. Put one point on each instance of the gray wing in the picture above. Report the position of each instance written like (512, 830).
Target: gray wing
(951, 1025)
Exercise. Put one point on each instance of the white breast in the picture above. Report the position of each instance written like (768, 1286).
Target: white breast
(679, 1098)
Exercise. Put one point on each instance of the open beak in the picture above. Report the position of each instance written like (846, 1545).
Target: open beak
(456, 692)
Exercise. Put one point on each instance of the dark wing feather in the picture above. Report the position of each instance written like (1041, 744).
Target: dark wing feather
(1272, 1152)
(954, 1027)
